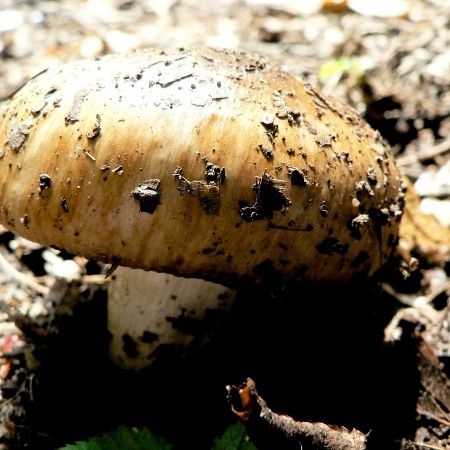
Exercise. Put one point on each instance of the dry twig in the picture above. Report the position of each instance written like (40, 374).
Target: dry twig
(12, 273)
(427, 153)
(269, 430)
(433, 447)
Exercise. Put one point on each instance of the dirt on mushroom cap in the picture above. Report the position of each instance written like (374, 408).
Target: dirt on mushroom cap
(161, 110)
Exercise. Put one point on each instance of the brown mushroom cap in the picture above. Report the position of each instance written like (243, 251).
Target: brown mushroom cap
(204, 163)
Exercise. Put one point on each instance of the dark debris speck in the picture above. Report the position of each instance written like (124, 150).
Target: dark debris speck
(147, 193)
(270, 197)
(64, 204)
(96, 129)
(118, 170)
(372, 176)
(268, 122)
(297, 176)
(129, 346)
(330, 246)
(267, 152)
(358, 224)
(44, 182)
(214, 173)
(323, 209)
(148, 337)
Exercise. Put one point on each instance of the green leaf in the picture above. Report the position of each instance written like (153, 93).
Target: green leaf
(354, 66)
(123, 438)
(234, 438)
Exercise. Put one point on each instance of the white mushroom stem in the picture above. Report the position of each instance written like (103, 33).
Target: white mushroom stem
(147, 310)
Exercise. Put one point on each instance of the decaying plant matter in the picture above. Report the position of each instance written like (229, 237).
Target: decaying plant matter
(269, 430)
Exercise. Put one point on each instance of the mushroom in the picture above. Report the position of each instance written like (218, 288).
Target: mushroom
(200, 163)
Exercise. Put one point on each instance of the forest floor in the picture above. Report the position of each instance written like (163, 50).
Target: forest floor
(374, 356)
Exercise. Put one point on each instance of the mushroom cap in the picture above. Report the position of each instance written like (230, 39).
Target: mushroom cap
(202, 163)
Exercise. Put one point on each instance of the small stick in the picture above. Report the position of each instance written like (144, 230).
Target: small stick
(269, 430)
(434, 447)
(427, 153)
(12, 272)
